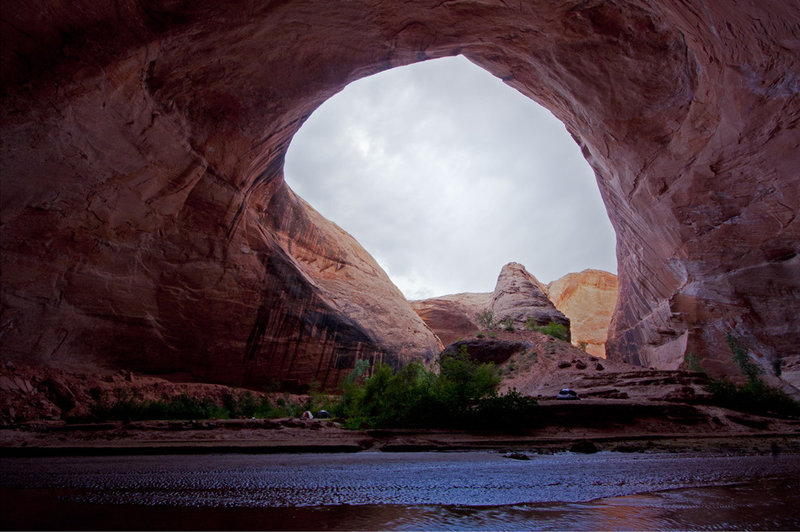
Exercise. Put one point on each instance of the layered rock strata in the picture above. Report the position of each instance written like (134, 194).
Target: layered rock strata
(588, 299)
(453, 316)
(143, 146)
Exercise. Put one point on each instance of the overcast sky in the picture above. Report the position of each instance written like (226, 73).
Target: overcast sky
(444, 174)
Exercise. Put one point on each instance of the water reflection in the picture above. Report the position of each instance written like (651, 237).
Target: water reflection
(402, 491)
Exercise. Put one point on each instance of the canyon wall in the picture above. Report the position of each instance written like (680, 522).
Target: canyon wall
(145, 222)
(453, 316)
(517, 296)
(588, 299)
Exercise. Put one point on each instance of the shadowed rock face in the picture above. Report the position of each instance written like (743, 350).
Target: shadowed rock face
(483, 351)
(145, 221)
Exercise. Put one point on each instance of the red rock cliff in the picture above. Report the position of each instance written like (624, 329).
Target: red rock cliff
(143, 143)
(453, 316)
(588, 299)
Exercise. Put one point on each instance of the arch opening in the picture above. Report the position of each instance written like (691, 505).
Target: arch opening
(444, 173)
(135, 185)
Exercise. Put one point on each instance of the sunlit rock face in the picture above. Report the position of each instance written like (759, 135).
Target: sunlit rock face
(145, 221)
(588, 299)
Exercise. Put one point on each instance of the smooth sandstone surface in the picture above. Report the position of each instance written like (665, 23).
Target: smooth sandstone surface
(453, 316)
(519, 296)
(588, 299)
(145, 222)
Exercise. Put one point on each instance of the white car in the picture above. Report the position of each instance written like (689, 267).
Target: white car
(567, 394)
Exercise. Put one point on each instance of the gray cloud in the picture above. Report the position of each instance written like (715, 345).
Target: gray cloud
(444, 174)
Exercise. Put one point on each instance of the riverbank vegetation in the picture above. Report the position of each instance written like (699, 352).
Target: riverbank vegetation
(460, 394)
(463, 394)
(125, 407)
(754, 395)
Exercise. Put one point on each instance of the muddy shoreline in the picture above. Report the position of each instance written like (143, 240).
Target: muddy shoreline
(322, 436)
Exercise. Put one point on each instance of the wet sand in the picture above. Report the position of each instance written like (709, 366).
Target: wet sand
(667, 428)
(372, 490)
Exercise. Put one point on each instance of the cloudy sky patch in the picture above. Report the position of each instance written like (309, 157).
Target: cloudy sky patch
(443, 173)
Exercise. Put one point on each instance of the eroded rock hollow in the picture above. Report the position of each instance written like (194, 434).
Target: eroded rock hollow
(145, 221)
(588, 299)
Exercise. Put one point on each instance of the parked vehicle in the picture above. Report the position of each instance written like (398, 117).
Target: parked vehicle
(566, 394)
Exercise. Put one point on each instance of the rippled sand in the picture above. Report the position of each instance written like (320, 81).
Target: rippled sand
(403, 490)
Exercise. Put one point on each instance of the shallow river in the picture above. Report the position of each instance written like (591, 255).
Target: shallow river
(469, 490)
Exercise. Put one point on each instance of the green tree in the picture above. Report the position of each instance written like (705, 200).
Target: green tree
(462, 381)
(352, 391)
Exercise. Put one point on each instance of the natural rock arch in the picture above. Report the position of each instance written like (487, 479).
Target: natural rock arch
(146, 223)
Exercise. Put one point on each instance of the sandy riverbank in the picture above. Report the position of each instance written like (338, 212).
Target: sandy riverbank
(623, 410)
(607, 425)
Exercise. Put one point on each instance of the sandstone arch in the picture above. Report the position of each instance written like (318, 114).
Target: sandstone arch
(145, 221)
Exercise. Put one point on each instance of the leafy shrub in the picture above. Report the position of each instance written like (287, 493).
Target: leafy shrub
(755, 395)
(693, 363)
(508, 324)
(749, 368)
(352, 390)
(485, 319)
(462, 395)
(462, 381)
(235, 405)
(183, 407)
(511, 412)
(553, 329)
(246, 405)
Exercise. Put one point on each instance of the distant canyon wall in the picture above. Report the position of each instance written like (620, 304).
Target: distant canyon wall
(588, 299)
(146, 224)
(582, 301)
(518, 297)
